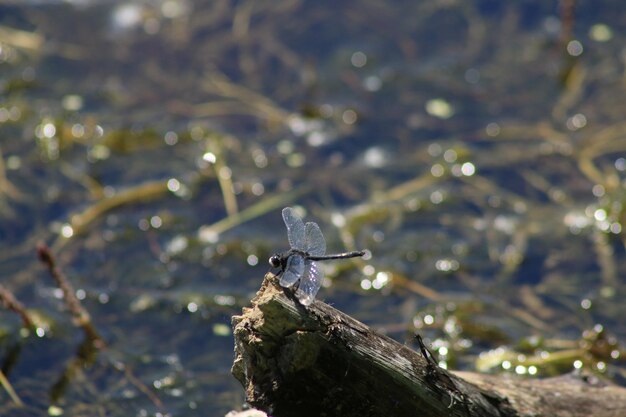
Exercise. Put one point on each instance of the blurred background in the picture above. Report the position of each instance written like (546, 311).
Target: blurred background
(476, 148)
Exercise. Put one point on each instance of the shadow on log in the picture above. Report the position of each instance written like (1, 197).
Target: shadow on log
(318, 361)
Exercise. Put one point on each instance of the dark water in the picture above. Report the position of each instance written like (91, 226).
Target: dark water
(475, 148)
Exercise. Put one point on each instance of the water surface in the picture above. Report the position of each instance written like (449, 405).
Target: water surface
(475, 148)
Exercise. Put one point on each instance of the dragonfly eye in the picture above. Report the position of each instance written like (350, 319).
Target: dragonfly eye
(275, 261)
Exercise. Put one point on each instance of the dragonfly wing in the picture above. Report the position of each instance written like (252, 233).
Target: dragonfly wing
(310, 283)
(295, 229)
(293, 271)
(314, 242)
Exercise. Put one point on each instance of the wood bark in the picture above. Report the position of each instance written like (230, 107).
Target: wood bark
(317, 361)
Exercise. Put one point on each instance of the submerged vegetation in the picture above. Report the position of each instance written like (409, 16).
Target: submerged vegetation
(476, 149)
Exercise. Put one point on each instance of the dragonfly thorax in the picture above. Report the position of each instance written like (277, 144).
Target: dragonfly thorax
(279, 260)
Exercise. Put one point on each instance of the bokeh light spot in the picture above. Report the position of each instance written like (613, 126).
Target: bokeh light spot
(575, 48)
(358, 59)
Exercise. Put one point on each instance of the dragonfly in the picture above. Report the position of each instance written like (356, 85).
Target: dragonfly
(298, 264)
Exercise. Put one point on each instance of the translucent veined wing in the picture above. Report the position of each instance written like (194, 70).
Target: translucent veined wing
(314, 242)
(293, 271)
(295, 229)
(310, 282)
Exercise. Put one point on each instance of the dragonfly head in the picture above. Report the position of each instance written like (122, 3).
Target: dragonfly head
(275, 261)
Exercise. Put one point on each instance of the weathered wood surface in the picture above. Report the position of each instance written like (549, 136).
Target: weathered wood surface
(318, 361)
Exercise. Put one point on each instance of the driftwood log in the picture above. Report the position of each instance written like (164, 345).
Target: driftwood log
(317, 361)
